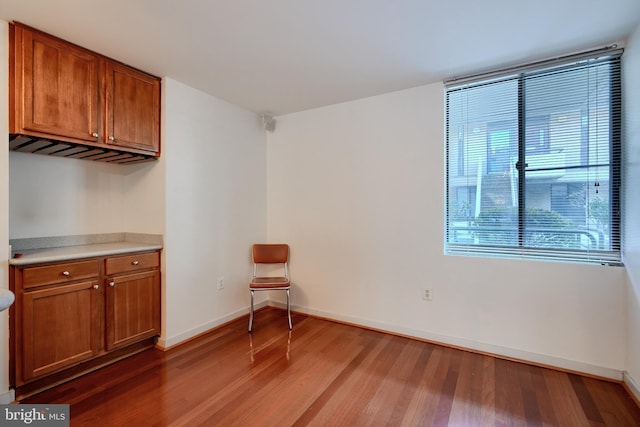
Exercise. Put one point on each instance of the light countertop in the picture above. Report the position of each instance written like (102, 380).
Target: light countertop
(65, 248)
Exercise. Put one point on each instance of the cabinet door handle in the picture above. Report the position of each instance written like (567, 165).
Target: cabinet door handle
(66, 273)
(136, 262)
(96, 286)
(112, 284)
(112, 138)
(95, 134)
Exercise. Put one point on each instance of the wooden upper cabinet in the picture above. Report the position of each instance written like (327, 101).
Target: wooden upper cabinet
(132, 108)
(56, 90)
(60, 92)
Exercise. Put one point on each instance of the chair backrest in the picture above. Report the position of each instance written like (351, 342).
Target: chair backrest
(270, 253)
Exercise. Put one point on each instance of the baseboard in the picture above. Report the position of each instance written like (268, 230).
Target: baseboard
(7, 397)
(165, 343)
(632, 386)
(465, 344)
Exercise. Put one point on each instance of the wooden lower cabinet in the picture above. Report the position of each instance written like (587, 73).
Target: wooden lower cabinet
(133, 308)
(61, 327)
(72, 317)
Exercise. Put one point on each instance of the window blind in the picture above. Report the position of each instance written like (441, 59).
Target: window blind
(533, 163)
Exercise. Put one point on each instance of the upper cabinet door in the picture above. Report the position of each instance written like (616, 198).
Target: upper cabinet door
(58, 92)
(132, 108)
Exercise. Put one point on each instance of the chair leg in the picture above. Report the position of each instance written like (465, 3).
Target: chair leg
(289, 310)
(251, 312)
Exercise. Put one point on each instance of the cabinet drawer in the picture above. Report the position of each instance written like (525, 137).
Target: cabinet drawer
(59, 273)
(123, 264)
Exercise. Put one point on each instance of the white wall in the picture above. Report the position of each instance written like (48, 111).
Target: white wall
(215, 208)
(52, 196)
(357, 189)
(5, 395)
(143, 193)
(631, 107)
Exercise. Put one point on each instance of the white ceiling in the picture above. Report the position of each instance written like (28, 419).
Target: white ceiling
(282, 56)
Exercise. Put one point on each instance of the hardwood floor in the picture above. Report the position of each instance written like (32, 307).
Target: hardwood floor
(325, 373)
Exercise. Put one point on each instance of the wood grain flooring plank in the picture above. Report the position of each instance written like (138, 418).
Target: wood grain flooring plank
(503, 392)
(586, 401)
(545, 405)
(530, 403)
(565, 403)
(447, 393)
(615, 406)
(488, 400)
(390, 392)
(411, 385)
(467, 397)
(423, 405)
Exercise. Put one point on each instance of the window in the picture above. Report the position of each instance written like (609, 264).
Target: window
(533, 163)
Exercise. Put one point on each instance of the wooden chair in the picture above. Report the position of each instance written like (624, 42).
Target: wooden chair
(274, 254)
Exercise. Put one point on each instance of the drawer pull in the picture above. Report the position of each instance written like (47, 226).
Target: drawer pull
(66, 273)
(95, 134)
(136, 262)
(112, 284)
(96, 286)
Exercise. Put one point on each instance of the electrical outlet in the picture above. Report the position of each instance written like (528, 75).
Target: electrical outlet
(220, 283)
(427, 294)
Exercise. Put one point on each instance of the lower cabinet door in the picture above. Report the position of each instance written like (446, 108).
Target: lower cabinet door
(61, 327)
(133, 308)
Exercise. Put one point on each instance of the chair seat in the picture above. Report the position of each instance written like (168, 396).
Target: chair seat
(269, 282)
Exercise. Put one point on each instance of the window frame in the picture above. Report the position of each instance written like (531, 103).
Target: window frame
(610, 256)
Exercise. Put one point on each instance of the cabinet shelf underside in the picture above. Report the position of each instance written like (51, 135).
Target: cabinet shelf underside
(30, 144)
